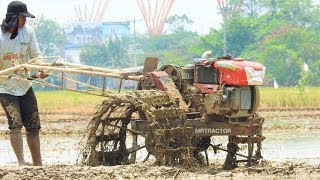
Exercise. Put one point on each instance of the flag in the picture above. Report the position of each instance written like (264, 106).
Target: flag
(275, 84)
(305, 67)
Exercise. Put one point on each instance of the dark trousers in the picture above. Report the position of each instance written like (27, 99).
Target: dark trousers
(21, 111)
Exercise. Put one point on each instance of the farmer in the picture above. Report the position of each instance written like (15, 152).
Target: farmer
(18, 44)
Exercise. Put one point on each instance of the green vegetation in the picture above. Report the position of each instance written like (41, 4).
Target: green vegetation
(281, 34)
(50, 36)
(67, 101)
(110, 53)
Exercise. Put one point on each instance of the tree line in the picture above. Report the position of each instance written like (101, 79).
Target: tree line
(281, 34)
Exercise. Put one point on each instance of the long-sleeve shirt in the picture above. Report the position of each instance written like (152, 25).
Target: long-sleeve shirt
(20, 49)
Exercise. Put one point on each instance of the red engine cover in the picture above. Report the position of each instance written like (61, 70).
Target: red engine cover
(239, 72)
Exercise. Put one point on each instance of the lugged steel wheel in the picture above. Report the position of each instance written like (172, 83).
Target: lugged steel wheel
(116, 139)
(112, 137)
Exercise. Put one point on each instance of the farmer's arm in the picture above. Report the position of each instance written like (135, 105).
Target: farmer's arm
(34, 52)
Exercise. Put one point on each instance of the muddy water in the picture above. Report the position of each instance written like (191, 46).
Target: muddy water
(62, 145)
(55, 150)
(295, 145)
(294, 139)
(279, 145)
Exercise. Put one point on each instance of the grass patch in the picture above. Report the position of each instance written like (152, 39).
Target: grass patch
(67, 101)
(289, 97)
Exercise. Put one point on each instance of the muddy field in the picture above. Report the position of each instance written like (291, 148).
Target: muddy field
(291, 150)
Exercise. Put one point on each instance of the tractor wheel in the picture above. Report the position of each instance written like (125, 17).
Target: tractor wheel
(113, 139)
(112, 135)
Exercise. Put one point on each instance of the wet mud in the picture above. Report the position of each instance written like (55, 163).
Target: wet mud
(291, 150)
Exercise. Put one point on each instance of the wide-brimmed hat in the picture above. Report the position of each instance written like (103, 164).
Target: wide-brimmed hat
(17, 7)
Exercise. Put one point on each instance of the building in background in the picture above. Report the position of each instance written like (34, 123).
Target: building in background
(80, 33)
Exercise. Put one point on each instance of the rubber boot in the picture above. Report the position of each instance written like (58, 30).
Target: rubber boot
(33, 141)
(17, 145)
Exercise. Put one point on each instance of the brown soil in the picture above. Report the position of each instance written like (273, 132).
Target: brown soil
(62, 135)
(266, 169)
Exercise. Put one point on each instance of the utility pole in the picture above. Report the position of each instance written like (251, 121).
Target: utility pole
(134, 49)
(134, 43)
(224, 32)
(228, 9)
(223, 6)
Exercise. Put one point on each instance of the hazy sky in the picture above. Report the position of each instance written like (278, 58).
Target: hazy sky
(202, 12)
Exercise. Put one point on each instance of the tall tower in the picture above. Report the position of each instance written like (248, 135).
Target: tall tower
(155, 14)
(229, 8)
(91, 11)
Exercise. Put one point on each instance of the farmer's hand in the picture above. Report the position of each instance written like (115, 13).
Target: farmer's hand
(40, 74)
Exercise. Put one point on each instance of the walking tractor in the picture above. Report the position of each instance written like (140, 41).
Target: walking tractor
(175, 114)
